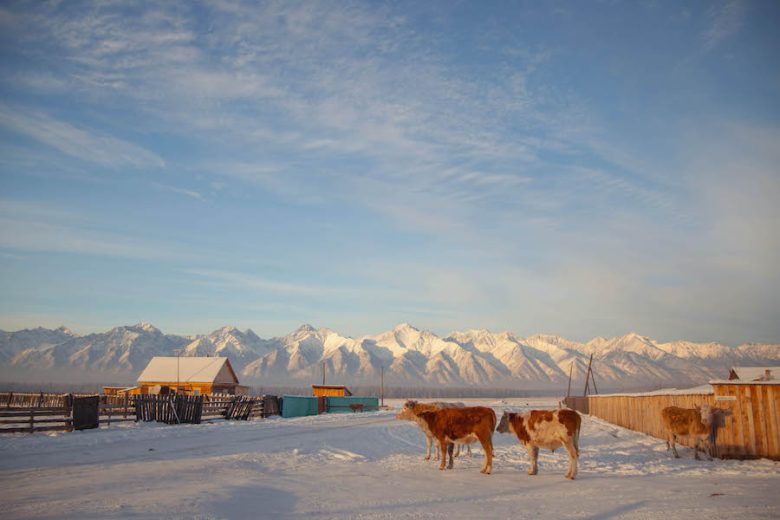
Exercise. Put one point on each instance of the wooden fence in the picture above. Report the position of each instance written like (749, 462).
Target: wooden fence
(40, 411)
(752, 422)
(32, 419)
(748, 428)
(169, 409)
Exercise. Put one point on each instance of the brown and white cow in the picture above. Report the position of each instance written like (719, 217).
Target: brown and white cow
(549, 429)
(462, 425)
(694, 423)
(410, 411)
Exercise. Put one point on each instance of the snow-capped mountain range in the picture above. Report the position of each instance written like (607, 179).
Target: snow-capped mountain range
(410, 357)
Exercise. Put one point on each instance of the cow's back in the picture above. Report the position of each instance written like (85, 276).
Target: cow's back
(458, 423)
(680, 421)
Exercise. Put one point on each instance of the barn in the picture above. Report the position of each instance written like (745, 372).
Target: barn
(189, 375)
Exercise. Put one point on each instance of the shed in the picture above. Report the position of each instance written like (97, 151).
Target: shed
(754, 373)
(330, 390)
(190, 375)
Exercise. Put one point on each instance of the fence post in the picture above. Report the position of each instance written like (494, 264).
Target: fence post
(32, 419)
(125, 410)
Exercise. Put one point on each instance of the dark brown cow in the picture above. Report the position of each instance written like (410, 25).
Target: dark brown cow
(695, 423)
(410, 412)
(548, 429)
(462, 425)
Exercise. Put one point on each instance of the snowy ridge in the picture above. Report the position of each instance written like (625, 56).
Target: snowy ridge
(409, 356)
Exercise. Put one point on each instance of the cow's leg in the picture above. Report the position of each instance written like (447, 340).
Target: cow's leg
(674, 449)
(428, 442)
(696, 448)
(486, 441)
(533, 454)
(450, 448)
(443, 448)
(457, 450)
(572, 451)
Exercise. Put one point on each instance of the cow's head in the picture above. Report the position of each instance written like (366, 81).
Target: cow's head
(503, 424)
(407, 411)
(707, 414)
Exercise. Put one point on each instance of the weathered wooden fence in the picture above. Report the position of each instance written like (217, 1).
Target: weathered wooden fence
(749, 428)
(32, 419)
(169, 409)
(40, 411)
(752, 422)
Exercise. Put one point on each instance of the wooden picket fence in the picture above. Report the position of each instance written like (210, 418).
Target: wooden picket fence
(748, 425)
(169, 409)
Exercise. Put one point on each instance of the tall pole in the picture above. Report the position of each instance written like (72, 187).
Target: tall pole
(323, 373)
(382, 387)
(587, 377)
(568, 390)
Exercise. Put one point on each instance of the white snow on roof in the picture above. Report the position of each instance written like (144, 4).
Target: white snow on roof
(189, 370)
(703, 389)
(756, 373)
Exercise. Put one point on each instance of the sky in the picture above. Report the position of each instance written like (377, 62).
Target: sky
(573, 168)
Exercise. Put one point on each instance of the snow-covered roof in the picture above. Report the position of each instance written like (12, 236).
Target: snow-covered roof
(188, 370)
(696, 390)
(754, 373)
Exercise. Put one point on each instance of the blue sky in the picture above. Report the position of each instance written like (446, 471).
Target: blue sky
(575, 168)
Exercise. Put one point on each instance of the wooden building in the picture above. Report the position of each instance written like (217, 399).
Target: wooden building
(189, 375)
(330, 390)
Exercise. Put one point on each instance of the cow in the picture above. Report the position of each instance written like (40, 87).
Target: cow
(409, 413)
(695, 423)
(462, 425)
(549, 429)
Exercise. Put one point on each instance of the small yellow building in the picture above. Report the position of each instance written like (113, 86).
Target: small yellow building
(189, 375)
(330, 390)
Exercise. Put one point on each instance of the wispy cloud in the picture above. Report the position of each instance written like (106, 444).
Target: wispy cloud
(182, 191)
(76, 142)
(724, 19)
(29, 226)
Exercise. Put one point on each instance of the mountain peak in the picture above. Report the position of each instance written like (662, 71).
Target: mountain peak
(404, 327)
(305, 328)
(66, 330)
(146, 327)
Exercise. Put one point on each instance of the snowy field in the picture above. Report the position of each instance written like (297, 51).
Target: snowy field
(363, 466)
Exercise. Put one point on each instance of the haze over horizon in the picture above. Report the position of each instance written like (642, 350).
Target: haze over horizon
(581, 170)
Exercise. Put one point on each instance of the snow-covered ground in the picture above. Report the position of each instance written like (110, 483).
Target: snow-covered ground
(363, 466)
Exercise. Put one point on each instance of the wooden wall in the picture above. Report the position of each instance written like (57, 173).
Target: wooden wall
(749, 428)
(642, 413)
(752, 423)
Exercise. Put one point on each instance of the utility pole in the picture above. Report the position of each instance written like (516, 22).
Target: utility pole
(382, 387)
(587, 377)
(568, 390)
(323, 373)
